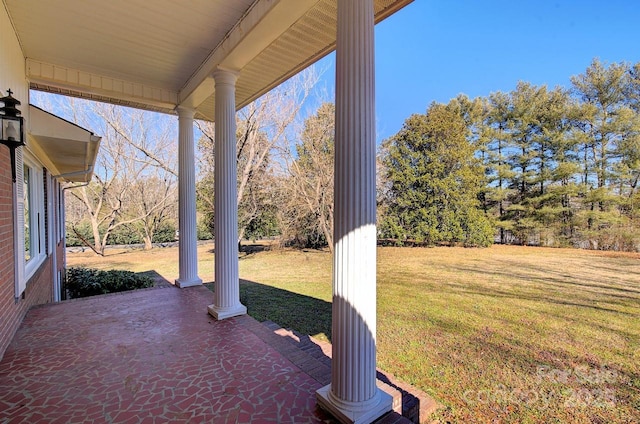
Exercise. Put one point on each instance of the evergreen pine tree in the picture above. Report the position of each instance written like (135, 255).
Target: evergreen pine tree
(434, 182)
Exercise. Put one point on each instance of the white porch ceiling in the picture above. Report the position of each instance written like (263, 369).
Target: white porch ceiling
(159, 54)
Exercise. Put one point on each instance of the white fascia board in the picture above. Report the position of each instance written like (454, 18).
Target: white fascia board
(262, 25)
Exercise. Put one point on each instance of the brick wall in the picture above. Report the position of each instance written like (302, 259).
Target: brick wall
(39, 288)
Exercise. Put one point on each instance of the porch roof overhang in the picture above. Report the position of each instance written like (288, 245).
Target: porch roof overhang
(159, 55)
(66, 149)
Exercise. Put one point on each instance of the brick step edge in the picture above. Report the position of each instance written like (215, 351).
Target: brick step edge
(417, 406)
(319, 370)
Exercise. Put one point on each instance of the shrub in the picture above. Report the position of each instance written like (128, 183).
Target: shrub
(83, 282)
(165, 233)
(203, 230)
(124, 235)
(84, 229)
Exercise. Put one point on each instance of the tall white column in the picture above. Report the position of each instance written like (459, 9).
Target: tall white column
(353, 396)
(188, 240)
(227, 284)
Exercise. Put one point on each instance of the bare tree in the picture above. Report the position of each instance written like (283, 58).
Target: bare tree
(151, 139)
(134, 178)
(262, 128)
(307, 216)
(153, 199)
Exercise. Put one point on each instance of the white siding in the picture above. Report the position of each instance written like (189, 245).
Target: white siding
(12, 75)
(12, 63)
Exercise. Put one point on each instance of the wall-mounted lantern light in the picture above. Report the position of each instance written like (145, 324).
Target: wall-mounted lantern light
(11, 133)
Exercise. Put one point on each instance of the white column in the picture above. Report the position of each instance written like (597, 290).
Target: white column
(227, 284)
(187, 238)
(353, 396)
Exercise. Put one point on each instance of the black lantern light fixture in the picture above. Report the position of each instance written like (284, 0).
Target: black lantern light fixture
(11, 132)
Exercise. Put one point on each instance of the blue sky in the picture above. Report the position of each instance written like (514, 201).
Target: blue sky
(433, 50)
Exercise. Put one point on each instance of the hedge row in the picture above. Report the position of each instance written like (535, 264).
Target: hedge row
(83, 282)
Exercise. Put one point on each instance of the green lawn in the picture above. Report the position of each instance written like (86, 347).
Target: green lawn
(504, 334)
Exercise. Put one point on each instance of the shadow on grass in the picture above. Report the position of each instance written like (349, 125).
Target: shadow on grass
(582, 293)
(300, 313)
(252, 248)
(297, 312)
(247, 249)
(158, 280)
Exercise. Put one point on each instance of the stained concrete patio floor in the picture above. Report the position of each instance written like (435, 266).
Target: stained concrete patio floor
(152, 356)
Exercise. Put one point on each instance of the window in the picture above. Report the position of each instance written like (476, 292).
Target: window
(34, 216)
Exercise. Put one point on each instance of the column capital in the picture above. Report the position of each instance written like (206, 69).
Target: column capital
(225, 76)
(185, 112)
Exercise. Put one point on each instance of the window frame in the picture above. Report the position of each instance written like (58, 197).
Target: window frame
(37, 237)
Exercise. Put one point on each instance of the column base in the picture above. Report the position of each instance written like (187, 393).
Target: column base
(224, 313)
(188, 283)
(353, 412)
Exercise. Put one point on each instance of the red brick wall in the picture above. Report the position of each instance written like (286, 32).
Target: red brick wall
(39, 288)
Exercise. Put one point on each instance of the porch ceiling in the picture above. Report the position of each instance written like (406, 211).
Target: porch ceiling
(160, 54)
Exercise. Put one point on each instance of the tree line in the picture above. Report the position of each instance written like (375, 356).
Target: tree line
(539, 166)
(561, 165)
(534, 166)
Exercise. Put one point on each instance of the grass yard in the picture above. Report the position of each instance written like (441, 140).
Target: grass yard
(505, 334)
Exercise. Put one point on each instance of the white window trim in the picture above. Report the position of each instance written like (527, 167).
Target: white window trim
(37, 221)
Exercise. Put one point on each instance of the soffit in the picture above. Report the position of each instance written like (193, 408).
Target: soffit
(66, 149)
(158, 54)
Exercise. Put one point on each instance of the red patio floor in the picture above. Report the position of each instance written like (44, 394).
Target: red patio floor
(150, 356)
(155, 356)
